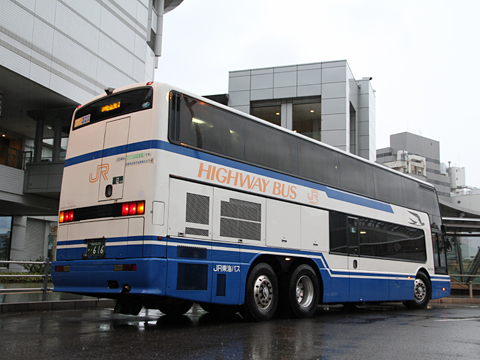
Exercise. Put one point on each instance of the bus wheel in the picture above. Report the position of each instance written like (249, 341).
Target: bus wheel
(175, 307)
(421, 293)
(303, 291)
(261, 296)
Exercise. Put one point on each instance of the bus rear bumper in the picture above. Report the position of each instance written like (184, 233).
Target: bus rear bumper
(107, 277)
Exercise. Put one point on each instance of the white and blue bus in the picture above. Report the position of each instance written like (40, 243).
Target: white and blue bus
(169, 198)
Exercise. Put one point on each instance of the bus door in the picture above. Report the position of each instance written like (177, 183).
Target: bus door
(368, 278)
(353, 258)
(112, 169)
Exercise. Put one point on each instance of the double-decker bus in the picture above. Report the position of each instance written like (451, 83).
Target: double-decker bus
(169, 198)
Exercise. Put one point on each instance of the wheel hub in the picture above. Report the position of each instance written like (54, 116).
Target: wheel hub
(263, 292)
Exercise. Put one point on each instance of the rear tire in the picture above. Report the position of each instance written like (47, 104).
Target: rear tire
(421, 294)
(261, 294)
(303, 291)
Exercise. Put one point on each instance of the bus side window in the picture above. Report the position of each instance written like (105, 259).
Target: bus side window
(338, 233)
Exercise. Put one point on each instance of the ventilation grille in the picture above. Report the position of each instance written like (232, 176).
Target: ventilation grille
(198, 207)
(241, 219)
(191, 252)
(192, 276)
(240, 209)
(195, 231)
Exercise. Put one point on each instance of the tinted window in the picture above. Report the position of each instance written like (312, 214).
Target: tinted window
(210, 128)
(269, 148)
(113, 105)
(381, 239)
(338, 233)
(319, 163)
(373, 238)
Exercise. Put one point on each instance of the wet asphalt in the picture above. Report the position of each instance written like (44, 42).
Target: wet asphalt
(367, 332)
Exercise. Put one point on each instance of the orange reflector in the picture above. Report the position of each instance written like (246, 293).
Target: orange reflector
(140, 207)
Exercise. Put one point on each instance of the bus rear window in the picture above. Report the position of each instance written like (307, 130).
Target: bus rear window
(114, 105)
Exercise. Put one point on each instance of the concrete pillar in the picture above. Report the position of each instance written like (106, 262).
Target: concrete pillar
(19, 230)
(37, 155)
(57, 139)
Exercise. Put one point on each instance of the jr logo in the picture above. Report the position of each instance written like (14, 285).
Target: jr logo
(101, 170)
(313, 197)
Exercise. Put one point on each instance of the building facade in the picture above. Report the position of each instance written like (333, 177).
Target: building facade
(54, 55)
(320, 100)
(417, 156)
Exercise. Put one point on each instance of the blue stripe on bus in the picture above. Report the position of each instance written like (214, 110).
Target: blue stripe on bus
(181, 150)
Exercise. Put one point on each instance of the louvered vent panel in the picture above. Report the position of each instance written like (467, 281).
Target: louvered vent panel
(197, 209)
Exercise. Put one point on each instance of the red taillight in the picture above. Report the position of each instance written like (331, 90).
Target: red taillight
(65, 268)
(125, 208)
(65, 216)
(125, 267)
(133, 208)
(150, 83)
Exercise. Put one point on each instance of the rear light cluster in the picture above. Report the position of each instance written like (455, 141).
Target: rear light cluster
(65, 216)
(133, 208)
(125, 267)
(103, 211)
(63, 268)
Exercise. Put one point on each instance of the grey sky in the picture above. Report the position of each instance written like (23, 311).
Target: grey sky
(421, 54)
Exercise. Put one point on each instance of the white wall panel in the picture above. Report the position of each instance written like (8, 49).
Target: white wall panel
(309, 90)
(334, 90)
(263, 94)
(284, 92)
(68, 90)
(14, 61)
(16, 19)
(239, 83)
(284, 79)
(335, 74)
(142, 13)
(74, 55)
(337, 138)
(89, 9)
(334, 106)
(117, 29)
(239, 98)
(264, 81)
(114, 54)
(39, 74)
(334, 122)
(309, 77)
(43, 36)
(45, 9)
(140, 46)
(76, 27)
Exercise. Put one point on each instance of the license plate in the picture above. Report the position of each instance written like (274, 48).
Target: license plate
(96, 248)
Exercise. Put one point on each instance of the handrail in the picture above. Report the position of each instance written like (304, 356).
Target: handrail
(45, 277)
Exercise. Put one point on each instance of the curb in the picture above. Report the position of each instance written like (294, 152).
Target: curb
(56, 305)
(454, 300)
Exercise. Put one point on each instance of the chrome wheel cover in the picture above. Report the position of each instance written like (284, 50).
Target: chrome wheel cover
(304, 291)
(263, 292)
(420, 291)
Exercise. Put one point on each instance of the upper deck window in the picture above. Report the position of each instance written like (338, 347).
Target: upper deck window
(114, 105)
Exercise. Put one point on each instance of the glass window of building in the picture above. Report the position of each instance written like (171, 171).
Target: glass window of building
(267, 110)
(306, 118)
(5, 238)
